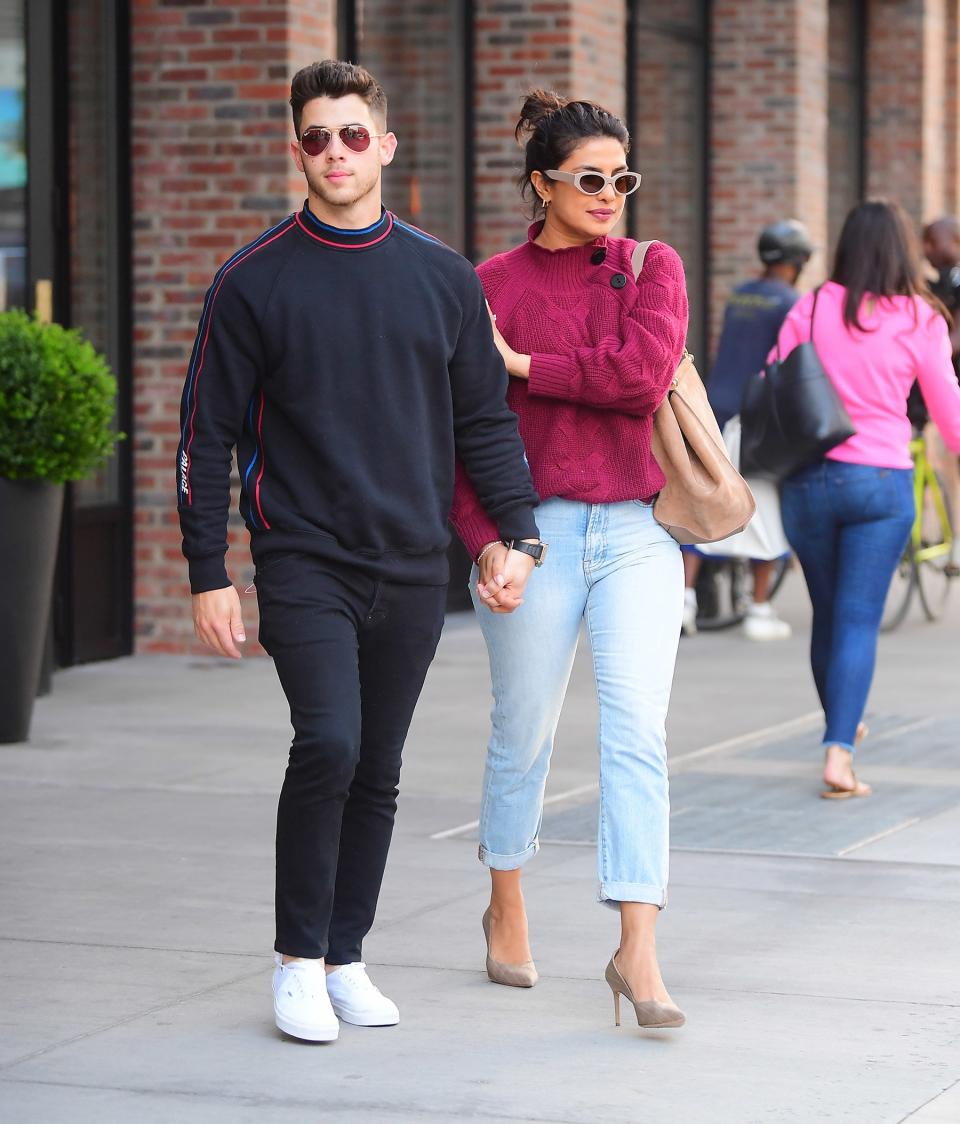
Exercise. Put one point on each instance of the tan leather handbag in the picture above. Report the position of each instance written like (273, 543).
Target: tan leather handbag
(704, 499)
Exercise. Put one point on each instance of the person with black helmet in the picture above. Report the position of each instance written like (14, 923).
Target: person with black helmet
(752, 319)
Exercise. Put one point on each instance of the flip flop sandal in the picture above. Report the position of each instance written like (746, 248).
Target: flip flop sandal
(836, 793)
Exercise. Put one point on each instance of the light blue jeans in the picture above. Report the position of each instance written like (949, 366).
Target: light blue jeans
(615, 567)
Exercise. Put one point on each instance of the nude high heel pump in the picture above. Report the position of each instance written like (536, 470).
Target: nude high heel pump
(513, 975)
(651, 1015)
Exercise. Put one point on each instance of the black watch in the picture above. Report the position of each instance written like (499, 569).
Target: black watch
(536, 550)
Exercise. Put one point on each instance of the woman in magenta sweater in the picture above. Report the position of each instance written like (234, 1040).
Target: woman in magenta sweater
(591, 355)
(877, 328)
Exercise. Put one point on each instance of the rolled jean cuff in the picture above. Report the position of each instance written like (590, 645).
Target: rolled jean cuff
(613, 893)
(507, 862)
(848, 746)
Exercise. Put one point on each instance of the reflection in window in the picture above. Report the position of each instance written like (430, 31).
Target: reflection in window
(94, 302)
(415, 50)
(668, 129)
(13, 158)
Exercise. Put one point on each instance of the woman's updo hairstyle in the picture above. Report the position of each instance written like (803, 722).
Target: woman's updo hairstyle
(556, 126)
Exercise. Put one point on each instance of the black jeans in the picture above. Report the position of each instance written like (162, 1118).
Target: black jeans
(352, 654)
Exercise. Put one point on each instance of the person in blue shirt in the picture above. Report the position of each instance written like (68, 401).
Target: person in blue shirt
(751, 323)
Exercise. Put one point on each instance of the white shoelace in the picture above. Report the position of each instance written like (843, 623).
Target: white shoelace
(355, 975)
(302, 976)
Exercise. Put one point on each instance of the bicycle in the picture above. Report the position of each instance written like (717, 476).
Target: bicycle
(723, 590)
(927, 568)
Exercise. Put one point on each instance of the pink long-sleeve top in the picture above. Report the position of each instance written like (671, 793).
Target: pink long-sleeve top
(874, 370)
(603, 353)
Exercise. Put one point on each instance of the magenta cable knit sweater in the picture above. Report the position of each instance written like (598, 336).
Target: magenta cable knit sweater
(603, 352)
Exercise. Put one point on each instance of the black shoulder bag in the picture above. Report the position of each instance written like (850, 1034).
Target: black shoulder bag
(791, 414)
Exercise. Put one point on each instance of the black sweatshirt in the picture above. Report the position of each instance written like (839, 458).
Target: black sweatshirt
(348, 368)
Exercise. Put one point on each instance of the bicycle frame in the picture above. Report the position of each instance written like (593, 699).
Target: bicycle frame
(925, 481)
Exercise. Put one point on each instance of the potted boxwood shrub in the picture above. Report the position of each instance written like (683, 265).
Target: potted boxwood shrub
(57, 397)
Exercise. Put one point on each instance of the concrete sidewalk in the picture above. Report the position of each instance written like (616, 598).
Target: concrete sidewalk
(812, 944)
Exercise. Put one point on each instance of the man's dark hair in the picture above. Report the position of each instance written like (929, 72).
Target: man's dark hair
(334, 78)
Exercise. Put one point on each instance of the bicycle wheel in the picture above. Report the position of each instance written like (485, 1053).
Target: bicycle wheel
(722, 593)
(900, 593)
(784, 565)
(935, 574)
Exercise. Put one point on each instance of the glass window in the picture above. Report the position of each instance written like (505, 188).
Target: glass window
(13, 157)
(93, 295)
(416, 50)
(845, 114)
(668, 124)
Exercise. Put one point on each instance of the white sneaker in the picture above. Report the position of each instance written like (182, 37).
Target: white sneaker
(688, 624)
(301, 1006)
(357, 1001)
(762, 623)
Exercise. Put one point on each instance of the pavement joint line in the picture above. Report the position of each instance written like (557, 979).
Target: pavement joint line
(879, 835)
(129, 947)
(741, 741)
(127, 1019)
(933, 1101)
(906, 728)
(259, 1100)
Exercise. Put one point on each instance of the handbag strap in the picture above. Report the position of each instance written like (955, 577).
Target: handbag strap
(640, 256)
(636, 261)
(813, 311)
(813, 316)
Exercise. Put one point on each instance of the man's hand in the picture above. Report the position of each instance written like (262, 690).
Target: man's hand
(503, 578)
(218, 621)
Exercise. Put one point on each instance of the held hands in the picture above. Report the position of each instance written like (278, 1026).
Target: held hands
(518, 366)
(218, 622)
(503, 578)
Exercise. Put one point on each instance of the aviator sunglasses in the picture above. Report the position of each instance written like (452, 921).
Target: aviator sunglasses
(355, 137)
(592, 183)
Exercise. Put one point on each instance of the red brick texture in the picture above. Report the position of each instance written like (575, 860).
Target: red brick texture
(769, 131)
(576, 47)
(210, 166)
(952, 109)
(907, 145)
(210, 128)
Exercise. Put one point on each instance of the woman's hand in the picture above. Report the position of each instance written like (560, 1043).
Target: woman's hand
(518, 366)
(502, 578)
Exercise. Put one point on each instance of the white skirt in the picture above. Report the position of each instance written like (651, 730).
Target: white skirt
(762, 539)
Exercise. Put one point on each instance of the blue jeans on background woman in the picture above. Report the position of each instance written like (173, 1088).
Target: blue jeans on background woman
(615, 568)
(848, 525)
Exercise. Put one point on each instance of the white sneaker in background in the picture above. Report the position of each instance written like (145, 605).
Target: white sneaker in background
(301, 1006)
(762, 623)
(356, 1000)
(688, 624)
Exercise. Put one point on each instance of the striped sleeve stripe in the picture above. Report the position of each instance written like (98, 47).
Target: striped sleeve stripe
(418, 233)
(203, 333)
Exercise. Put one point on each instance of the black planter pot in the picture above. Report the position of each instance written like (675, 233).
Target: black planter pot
(29, 531)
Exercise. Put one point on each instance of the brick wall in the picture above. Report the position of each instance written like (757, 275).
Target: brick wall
(210, 126)
(951, 171)
(414, 47)
(769, 130)
(906, 68)
(209, 133)
(576, 47)
(668, 139)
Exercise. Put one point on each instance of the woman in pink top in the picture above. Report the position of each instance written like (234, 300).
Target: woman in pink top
(848, 517)
(591, 355)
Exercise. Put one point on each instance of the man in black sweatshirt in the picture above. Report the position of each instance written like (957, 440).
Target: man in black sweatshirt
(348, 358)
